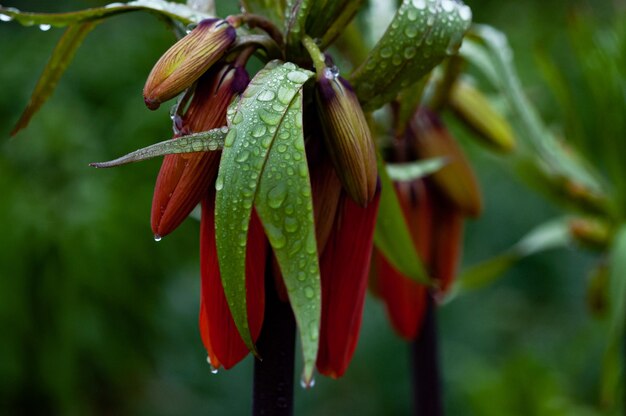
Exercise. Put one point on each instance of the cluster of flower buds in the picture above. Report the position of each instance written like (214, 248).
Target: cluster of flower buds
(345, 192)
(434, 209)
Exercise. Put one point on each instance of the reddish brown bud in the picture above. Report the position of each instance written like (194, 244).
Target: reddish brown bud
(189, 58)
(347, 135)
(456, 180)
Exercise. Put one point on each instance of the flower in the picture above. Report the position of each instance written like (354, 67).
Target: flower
(188, 59)
(434, 209)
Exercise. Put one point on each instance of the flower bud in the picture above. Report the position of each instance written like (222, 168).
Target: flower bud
(184, 178)
(456, 180)
(347, 136)
(187, 60)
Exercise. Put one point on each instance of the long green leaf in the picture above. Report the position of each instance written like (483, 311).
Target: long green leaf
(391, 236)
(420, 36)
(493, 51)
(550, 235)
(274, 10)
(206, 141)
(61, 57)
(172, 10)
(264, 163)
(613, 364)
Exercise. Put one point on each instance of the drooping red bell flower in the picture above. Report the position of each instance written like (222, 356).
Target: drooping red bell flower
(185, 178)
(434, 209)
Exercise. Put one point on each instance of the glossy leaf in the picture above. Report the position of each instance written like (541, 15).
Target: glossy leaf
(296, 12)
(56, 66)
(168, 9)
(391, 236)
(415, 170)
(197, 142)
(420, 36)
(264, 163)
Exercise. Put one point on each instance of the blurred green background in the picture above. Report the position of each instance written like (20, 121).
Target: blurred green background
(97, 318)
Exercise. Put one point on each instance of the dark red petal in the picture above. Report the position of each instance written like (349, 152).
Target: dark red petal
(447, 242)
(405, 299)
(326, 189)
(204, 334)
(224, 337)
(344, 271)
(181, 184)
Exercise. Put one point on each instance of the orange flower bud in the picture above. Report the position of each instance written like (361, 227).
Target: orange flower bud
(187, 60)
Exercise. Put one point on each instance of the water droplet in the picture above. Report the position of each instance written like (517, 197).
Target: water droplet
(412, 15)
(269, 118)
(276, 236)
(309, 292)
(291, 224)
(157, 238)
(5, 18)
(410, 31)
(238, 118)
(276, 195)
(266, 95)
(465, 13)
(230, 138)
(259, 130)
(314, 330)
(419, 4)
(214, 370)
(410, 52)
(298, 77)
(301, 276)
(430, 21)
(219, 183)
(190, 27)
(386, 52)
(266, 141)
(305, 385)
(331, 72)
(44, 27)
(289, 65)
(397, 60)
(285, 95)
(243, 156)
(447, 5)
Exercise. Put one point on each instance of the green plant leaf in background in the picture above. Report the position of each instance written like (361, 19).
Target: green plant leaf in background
(274, 10)
(415, 170)
(613, 363)
(391, 236)
(80, 24)
(168, 9)
(492, 50)
(420, 36)
(264, 163)
(61, 57)
(547, 236)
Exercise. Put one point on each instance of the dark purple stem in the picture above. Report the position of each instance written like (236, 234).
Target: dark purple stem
(274, 375)
(425, 364)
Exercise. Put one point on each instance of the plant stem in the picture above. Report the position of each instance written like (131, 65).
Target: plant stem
(273, 376)
(425, 364)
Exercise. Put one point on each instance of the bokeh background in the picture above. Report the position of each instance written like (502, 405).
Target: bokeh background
(98, 318)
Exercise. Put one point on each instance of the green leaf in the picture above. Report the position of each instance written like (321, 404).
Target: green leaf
(296, 12)
(420, 36)
(264, 163)
(492, 50)
(613, 364)
(391, 235)
(274, 10)
(172, 10)
(550, 235)
(415, 170)
(206, 141)
(56, 66)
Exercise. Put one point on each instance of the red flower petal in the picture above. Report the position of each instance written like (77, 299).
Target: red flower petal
(344, 269)
(225, 341)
